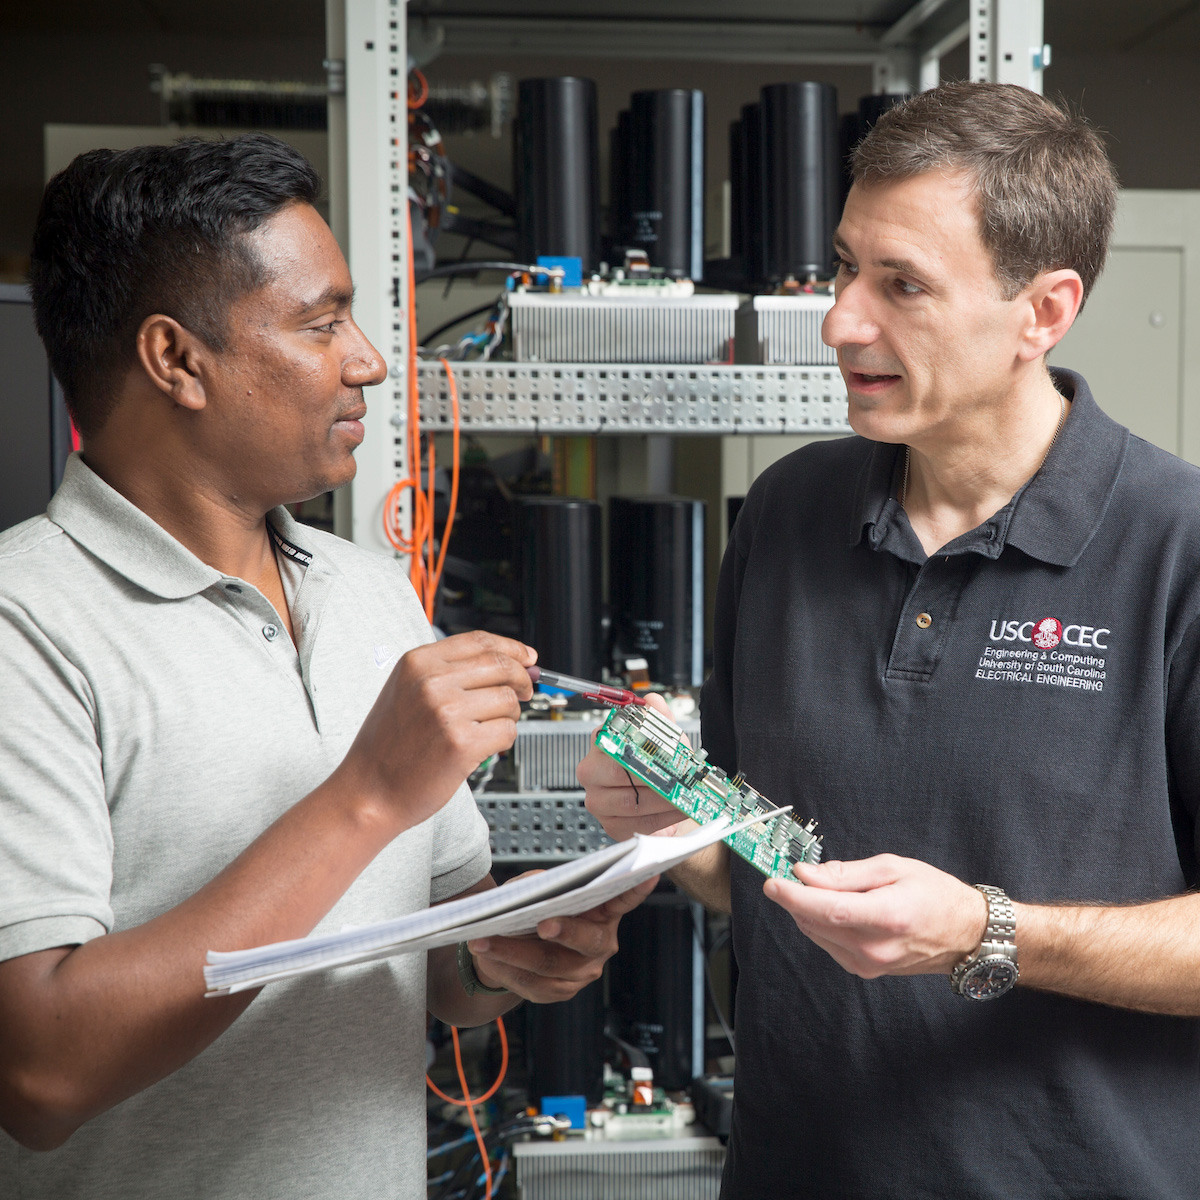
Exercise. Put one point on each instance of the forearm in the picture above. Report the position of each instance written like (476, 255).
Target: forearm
(449, 1002)
(88, 1026)
(705, 877)
(1144, 956)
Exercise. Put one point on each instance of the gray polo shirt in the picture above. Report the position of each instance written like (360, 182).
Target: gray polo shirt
(156, 719)
(1020, 709)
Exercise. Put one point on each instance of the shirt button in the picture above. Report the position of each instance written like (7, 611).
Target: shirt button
(270, 632)
(924, 620)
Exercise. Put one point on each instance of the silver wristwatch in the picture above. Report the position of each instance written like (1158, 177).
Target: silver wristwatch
(992, 969)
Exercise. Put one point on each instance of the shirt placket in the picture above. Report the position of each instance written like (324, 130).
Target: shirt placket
(927, 616)
(258, 615)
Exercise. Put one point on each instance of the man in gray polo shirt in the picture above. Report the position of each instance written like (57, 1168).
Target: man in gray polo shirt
(221, 728)
(967, 641)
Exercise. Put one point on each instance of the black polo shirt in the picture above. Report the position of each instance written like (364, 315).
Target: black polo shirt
(1021, 709)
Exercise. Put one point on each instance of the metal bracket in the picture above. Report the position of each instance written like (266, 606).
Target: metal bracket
(584, 398)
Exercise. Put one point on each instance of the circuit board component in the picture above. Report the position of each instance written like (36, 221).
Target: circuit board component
(650, 747)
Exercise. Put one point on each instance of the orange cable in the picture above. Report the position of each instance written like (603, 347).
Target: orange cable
(454, 475)
(423, 94)
(426, 563)
(468, 1102)
(483, 1154)
(426, 567)
(499, 1078)
(430, 582)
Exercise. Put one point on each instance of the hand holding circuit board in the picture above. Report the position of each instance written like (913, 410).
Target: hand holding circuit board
(654, 751)
(649, 746)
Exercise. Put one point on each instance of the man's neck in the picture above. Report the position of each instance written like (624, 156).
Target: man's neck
(229, 536)
(955, 484)
(147, 450)
(221, 531)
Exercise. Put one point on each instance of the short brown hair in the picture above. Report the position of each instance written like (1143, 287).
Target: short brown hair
(1047, 190)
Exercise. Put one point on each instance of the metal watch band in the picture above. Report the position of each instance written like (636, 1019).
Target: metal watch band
(1002, 917)
(470, 981)
(991, 970)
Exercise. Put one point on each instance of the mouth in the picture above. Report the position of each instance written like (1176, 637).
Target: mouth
(351, 424)
(862, 381)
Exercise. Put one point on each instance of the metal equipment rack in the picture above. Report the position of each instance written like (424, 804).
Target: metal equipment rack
(368, 66)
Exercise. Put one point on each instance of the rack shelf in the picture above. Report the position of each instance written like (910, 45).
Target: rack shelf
(582, 398)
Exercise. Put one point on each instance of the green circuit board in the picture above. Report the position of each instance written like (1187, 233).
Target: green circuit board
(650, 747)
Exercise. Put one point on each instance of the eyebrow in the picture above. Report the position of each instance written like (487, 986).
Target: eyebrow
(331, 297)
(903, 265)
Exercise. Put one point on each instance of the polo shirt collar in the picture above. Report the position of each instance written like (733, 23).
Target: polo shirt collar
(117, 532)
(1052, 518)
(1060, 509)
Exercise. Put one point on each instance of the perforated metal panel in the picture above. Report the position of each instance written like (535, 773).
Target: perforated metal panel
(540, 826)
(575, 398)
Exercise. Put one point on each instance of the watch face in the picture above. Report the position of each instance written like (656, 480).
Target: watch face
(989, 977)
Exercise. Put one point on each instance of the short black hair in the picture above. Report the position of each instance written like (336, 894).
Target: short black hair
(156, 229)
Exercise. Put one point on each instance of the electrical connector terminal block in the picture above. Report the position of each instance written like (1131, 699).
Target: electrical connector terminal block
(657, 752)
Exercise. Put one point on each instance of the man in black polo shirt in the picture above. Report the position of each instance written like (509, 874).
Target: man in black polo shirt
(967, 641)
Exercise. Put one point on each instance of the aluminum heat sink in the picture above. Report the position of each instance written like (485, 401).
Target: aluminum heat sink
(784, 331)
(546, 753)
(642, 327)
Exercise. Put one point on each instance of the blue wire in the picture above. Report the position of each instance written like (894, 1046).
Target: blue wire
(434, 1151)
(501, 1172)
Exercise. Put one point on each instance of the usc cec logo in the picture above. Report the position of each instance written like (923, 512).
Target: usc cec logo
(1048, 632)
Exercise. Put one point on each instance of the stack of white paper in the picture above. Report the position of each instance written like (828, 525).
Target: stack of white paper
(511, 910)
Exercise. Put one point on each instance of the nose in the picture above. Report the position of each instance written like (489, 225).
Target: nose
(364, 365)
(849, 322)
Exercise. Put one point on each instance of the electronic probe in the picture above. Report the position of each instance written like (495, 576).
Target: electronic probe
(587, 688)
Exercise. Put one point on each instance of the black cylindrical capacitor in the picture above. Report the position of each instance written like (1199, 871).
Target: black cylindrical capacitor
(556, 169)
(656, 584)
(564, 1046)
(849, 135)
(753, 238)
(801, 187)
(871, 108)
(667, 167)
(559, 582)
(856, 125)
(651, 988)
(620, 182)
(737, 173)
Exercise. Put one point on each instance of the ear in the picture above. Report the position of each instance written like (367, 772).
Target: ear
(172, 358)
(1053, 300)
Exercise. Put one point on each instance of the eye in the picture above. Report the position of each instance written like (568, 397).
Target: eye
(327, 328)
(844, 267)
(908, 289)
